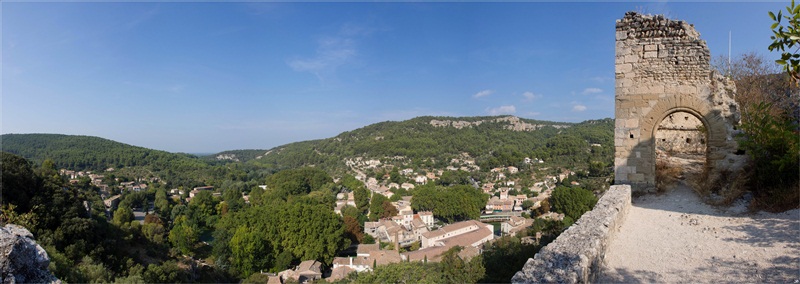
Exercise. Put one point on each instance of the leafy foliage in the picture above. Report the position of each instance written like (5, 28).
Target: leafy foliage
(786, 37)
(452, 204)
(572, 202)
(504, 257)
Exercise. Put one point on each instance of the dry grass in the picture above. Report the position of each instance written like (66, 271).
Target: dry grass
(715, 188)
(777, 199)
(667, 175)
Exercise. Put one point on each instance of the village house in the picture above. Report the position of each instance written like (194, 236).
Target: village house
(495, 204)
(407, 186)
(389, 231)
(371, 164)
(504, 193)
(344, 199)
(518, 199)
(431, 175)
(488, 187)
(368, 255)
(426, 217)
(512, 170)
(434, 254)
(514, 225)
(421, 179)
(466, 233)
(307, 271)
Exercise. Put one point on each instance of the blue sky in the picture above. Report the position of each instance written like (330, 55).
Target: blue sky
(208, 77)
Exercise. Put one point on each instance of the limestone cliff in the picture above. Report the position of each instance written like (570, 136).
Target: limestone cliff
(22, 260)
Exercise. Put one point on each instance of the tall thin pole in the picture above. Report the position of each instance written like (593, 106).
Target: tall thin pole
(729, 53)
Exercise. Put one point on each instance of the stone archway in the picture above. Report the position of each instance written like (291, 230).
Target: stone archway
(662, 66)
(681, 151)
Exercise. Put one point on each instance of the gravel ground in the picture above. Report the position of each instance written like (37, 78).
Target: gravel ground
(676, 238)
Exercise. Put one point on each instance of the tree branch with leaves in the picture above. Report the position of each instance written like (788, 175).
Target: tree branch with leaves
(787, 37)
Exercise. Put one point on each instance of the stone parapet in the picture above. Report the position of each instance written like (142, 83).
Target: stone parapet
(577, 254)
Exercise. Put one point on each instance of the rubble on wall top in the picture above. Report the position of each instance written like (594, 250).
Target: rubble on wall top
(655, 26)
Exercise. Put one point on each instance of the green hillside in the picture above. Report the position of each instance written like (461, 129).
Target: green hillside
(422, 144)
(97, 154)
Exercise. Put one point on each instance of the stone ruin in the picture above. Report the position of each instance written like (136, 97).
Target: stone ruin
(662, 68)
(665, 89)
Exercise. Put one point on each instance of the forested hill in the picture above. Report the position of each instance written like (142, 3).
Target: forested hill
(86, 152)
(431, 142)
(422, 142)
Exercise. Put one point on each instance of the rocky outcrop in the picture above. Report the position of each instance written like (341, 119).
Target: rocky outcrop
(577, 254)
(513, 123)
(22, 260)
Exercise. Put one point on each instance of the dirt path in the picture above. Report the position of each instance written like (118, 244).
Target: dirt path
(676, 238)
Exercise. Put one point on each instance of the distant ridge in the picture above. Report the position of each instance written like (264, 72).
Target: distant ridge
(423, 141)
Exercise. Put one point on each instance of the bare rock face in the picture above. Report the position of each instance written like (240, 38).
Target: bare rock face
(22, 260)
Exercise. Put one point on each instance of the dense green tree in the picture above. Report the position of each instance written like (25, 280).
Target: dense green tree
(167, 272)
(161, 203)
(457, 270)
(234, 200)
(504, 257)
(19, 184)
(377, 210)
(572, 202)
(459, 177)
(250, 251)
(454, 203)
(184, 235)
(123, 215)
(298, 181)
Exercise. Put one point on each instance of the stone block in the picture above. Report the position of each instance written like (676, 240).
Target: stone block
(636, 177)
(631, 123)
(650, 54)
(623, 68)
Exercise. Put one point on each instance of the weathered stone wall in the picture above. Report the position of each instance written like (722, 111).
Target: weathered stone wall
(662, 67)
(681, 132)
(577, 254)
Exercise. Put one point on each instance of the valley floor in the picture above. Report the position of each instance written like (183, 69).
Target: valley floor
(676, 238)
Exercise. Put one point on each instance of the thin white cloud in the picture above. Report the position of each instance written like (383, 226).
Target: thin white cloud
(483, 93)
(176, 88)
(578, 108)
(502, 110)
(142, 17)
(599, 79)
(530, 96)
(589, 91)
(331, 53)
